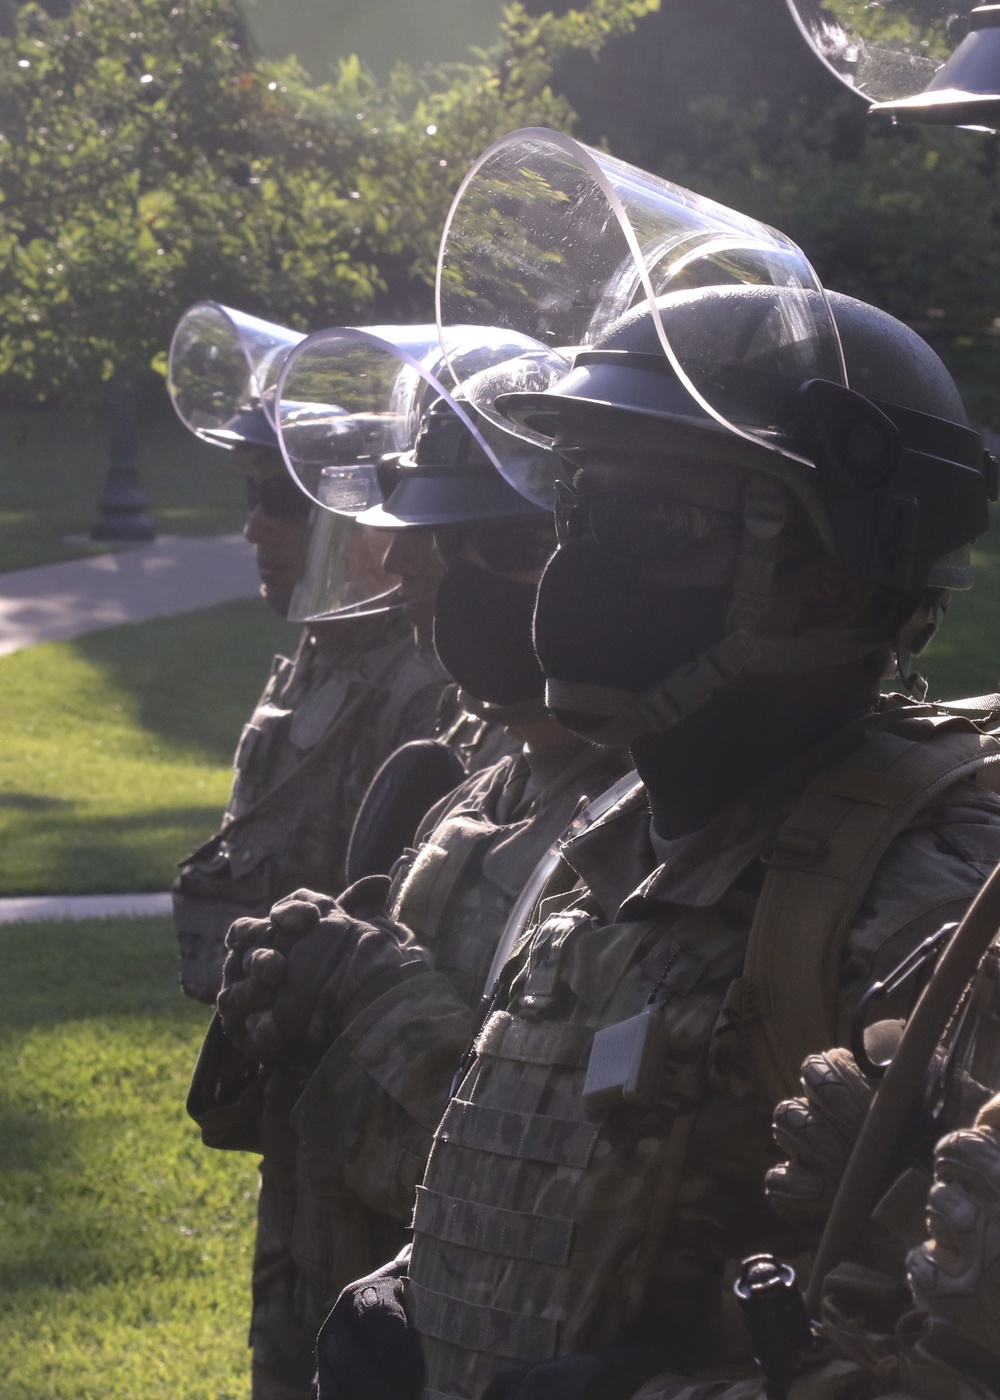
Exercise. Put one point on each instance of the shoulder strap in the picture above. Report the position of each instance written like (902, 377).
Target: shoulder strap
(544, 879)
(819, 872)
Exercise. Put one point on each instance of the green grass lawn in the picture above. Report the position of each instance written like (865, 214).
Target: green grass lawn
(125, 1245)
(52, 469)
(116, 748)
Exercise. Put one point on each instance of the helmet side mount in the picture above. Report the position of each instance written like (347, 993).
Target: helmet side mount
(901, 489)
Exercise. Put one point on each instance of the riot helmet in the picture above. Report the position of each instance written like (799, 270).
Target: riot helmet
(425, 466)
(492, 543)
(702, 334)
(222, 371)
(930, 61)
(556, 242)
(892, 482)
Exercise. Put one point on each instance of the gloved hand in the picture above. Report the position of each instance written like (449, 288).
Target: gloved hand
(367, 1348)
(818, 1132)
(250, 974)
(255, 963)
(311, 967)
(955, 1275)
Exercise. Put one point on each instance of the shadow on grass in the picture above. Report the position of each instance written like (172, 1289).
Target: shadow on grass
(194, 678)
(81, 1101)
(63, 853)
(58, 972)
(32, 802)
(30, 1140)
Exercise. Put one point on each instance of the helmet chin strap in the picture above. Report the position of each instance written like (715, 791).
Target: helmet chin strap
(627, 715)
(911, 639)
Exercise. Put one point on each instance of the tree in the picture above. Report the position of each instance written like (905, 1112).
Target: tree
(148, 159)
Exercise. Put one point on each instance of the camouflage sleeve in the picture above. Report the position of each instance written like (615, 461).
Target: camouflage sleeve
(379, 1092)
(411, 1040)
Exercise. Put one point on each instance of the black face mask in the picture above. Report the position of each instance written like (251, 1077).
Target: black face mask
(599, 623)
(482, 634)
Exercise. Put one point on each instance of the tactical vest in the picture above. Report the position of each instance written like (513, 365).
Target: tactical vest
(542, 1229)
(457, 889)
(319, 731)
(456, 892)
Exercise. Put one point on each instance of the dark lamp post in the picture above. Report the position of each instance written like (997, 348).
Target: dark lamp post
(123, 502)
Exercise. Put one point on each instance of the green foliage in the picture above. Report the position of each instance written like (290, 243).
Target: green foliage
(116, 748)
(126, 1244)
(904, 217)
(148, 159)
(729, 100)
(146, 162)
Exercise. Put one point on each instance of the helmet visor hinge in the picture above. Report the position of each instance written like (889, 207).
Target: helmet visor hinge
(853, 444)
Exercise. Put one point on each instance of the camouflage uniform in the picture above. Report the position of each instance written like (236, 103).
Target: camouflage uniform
(540, 1230)
(326, 720)
(478, 742)
(337, 1187)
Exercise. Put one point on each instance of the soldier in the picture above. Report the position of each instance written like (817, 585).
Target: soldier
(742, 548)
(362, 681)
(361, 1143)
(914, 1310)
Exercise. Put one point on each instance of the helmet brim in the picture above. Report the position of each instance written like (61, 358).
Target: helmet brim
(428, 500)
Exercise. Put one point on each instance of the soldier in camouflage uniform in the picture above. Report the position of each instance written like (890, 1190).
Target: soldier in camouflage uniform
(356, 688)
(599, 1169)
(913, 1312)
(359, 1157)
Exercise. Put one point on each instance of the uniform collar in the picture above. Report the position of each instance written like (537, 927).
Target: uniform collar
(630, 870)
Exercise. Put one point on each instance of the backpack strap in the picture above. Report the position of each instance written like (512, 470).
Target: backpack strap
(819, 871)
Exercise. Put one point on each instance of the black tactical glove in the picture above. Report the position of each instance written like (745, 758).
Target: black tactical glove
(818, 1132)
(367, 1348)
(255, 966)
(315, 965)
(250, 974)
(955, 1275)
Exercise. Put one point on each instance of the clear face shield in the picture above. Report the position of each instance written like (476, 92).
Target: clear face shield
(554, 243)
(347, 399)
(222, 373)
(345, 574)
(922, 60)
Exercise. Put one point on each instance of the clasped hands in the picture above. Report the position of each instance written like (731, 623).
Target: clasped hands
(292, 981)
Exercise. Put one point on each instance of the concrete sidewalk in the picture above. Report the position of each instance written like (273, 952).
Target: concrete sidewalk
(34, 908)
(175, 574)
